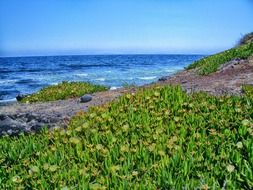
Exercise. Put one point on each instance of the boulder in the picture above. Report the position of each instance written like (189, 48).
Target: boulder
(163, 78)
(20, 97)
(85, 98)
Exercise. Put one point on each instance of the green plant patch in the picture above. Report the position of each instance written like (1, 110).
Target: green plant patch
(211, 63)
(248, 90)
(62, 91)
(246, 38)
(158, 138)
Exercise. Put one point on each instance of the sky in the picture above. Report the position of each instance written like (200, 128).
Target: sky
(69, 27)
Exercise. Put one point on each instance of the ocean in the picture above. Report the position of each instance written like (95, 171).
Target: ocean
(25, 75)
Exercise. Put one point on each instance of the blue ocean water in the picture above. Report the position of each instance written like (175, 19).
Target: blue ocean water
(22, 75)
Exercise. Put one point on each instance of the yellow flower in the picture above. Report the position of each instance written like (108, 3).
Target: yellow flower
(53, 168)
(85, 125)
(46, 166)
(99, 147)
(74, 140)
(151, 147)
(96, 186)
(213, 132)
(121, 159)
(239, 145)
(53, 148)
(161, 153)
(157, 94)
(16, 179)
(205, 187)
(245, 122)
(62, 132)
(78, 129)
(176, 119)
(135, 173)
(230, 168)
(35, 169)
(125, 127)
(124, 148)
(114, 169)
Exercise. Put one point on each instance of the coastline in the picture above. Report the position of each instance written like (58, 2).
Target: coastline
(20, 117)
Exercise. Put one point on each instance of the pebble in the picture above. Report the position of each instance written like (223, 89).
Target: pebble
(85, 98)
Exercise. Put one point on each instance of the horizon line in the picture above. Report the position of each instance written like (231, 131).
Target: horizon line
(105, 54)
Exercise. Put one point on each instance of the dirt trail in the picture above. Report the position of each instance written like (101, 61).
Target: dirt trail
(18, 117)
(227, 80)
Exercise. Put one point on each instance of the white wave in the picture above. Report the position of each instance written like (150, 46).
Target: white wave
(8, 100)
(82, 74)
(8, 81)
(173, 69)
(54, 83)
(147, 78)
(114, 88)
(100, 79)
(170, 70)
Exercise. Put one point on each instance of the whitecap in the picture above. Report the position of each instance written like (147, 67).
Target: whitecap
(173, 69)
(114, 88)
(8, 100)
(147, 78)
(8, 81)
(100, 79)
(170, 70)
(82, 74)
(54, 83)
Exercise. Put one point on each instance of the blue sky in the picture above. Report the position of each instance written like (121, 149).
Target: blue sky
(57, 27)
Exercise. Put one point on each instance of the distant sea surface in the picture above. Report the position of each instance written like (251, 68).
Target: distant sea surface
(24, 75)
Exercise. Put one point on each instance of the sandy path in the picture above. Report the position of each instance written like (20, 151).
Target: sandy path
(31, 117)
(228, 80)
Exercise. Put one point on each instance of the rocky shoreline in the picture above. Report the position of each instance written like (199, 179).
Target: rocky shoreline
(20, 117)
(16, 118)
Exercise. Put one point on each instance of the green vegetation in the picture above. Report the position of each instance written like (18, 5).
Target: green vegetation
(248, 90)
(246, 39)
(63, 91)
(158, 138)
(211, 64)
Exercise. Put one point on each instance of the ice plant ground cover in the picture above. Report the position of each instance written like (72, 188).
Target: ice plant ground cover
(62, 91)
(211, 63)
(157, 138)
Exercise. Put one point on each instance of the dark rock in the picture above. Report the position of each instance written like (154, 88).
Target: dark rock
(37, 126)
(163, 79)
(230, 64)
(20, 97)
(10, 132)
(11, 127)
(27, 129)
(32, 123)
(2, 117)
(31, 116)
(86, 98)
(7, 122)
(54, 120)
